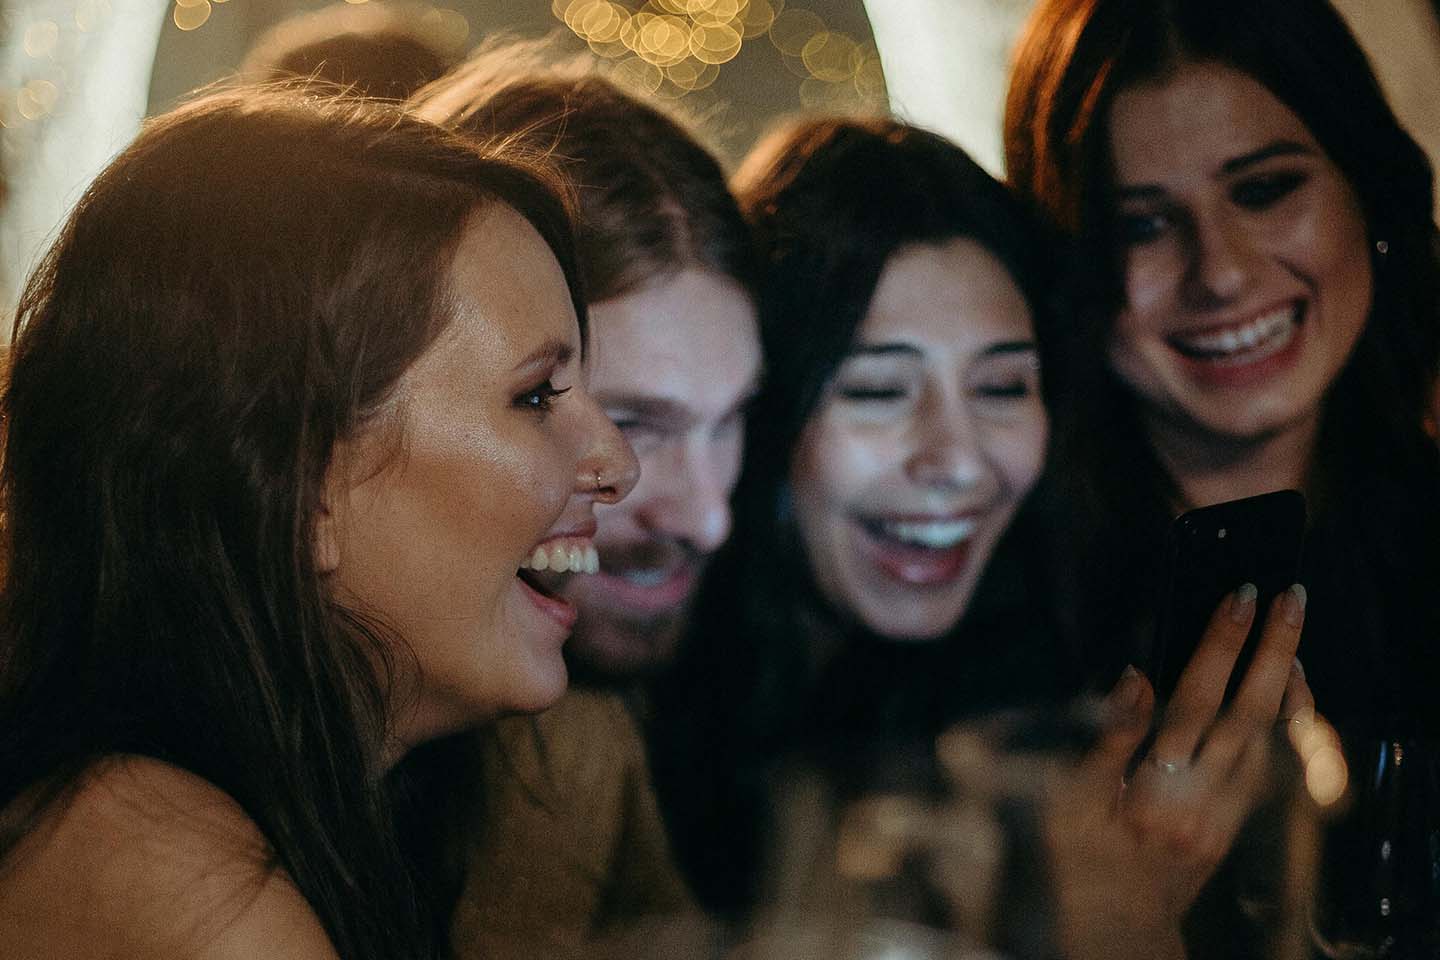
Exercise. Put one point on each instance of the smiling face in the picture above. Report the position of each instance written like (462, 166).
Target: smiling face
(490, 448)
(1245, 254)
(673, 364)
(927, 437)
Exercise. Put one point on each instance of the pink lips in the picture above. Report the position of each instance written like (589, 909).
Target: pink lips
(1223, 372)
(561, 611)
(917, 566)
(659, 598)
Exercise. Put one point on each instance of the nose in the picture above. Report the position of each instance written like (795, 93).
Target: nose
(608, 469)
(1221, 260)
(691, 499)
(946, 453)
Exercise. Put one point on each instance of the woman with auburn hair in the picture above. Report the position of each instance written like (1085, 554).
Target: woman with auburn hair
(1257, 293)
(276, 452)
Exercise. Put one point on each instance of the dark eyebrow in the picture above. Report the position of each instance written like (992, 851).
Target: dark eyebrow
(1008, 347)
(883, 350)
(1279, 148)
(551, 353)
(1001, 348)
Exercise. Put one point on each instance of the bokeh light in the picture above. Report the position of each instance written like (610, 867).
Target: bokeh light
(90, 13)
(793, 28)
(1318, 746)
(41, 39)
(687, 41)
(191, 14)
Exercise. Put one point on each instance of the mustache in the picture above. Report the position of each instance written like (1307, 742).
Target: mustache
(648, 555)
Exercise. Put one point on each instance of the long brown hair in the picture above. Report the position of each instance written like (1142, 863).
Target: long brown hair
(1376, 469)
(238, 291)
(652, 198)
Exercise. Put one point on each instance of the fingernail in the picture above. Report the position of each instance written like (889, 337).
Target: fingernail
(1128, 692)
(1300, 668)
(1242, 602)
(1295, 605)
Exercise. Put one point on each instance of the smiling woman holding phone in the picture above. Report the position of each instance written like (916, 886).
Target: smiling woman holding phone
(1257, 293)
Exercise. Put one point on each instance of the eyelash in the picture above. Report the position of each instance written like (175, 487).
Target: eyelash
(541, 398)
(1018, 390)
(870, 395)
(1262, 192)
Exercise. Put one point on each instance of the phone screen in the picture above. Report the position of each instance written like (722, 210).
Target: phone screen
(1212, 551)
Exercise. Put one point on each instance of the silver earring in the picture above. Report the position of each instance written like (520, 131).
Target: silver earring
(1382, 247)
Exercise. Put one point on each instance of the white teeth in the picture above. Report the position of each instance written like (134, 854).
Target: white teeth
(936, 535)
(1272, 326)
(573, 557)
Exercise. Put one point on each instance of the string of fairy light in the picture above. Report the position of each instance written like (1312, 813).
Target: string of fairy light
(672, 48)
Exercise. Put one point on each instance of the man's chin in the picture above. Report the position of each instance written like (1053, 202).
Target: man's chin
(602, 651)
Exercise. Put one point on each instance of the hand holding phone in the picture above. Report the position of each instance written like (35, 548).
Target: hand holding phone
(1212, 552)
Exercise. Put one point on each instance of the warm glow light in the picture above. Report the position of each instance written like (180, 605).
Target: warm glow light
(832, 57)
(793, 28)
(449, 28)
(759, 15)
(1318, 746)
(89, 13)
(639, 74)
(683, 43)
(193, 16)
(715, 44)
(690, 76)
(870, 78)
(1326, 776)
(36, 99)
(40, 39)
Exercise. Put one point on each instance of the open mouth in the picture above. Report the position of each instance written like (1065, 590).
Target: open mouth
(923, 535)
(921, 552)
(561, 555)
(1245, 343)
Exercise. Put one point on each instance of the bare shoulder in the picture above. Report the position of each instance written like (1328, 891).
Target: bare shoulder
(146, 859)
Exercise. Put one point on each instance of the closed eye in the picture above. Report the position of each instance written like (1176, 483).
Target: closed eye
(870, 394)
(1012, 390)
(1263, 192)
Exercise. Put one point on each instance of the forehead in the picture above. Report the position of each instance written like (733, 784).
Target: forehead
(508, 292)
(1196, 118)
(689, 338)
(954, 297)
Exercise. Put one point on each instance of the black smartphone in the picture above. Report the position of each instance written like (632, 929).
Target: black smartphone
(1212, 551)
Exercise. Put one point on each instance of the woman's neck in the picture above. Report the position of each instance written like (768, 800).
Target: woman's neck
(1208, 469)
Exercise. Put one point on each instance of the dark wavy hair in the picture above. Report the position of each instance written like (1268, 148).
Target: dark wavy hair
(239, 290)
(832, 201)
(1375, 474)
(652, 199)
